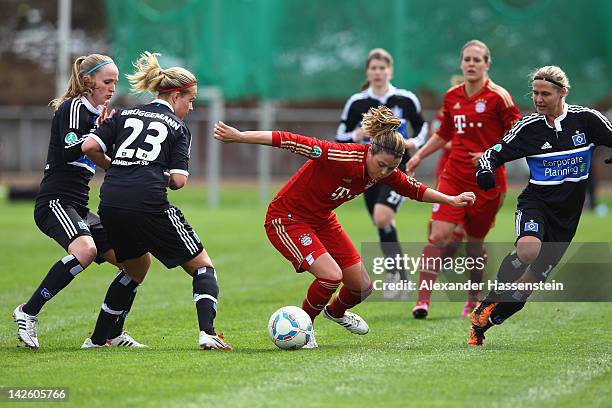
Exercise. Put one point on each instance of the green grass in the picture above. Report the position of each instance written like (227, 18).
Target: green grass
(549, 355)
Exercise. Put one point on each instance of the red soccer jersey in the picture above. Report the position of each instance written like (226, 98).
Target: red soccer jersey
(473, 125)
(335, 173)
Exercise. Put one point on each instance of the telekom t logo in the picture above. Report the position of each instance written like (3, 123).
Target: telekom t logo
(341, 192)
(460, 123)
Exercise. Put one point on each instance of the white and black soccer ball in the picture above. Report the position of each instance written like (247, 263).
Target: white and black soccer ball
(290, 328)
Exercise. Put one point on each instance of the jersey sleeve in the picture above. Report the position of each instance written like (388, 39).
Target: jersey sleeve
(509, 113)
(73, 128)
(414, 116)
(600, 128)
(317, 149)
(511, 147)
(106, 134)
(179, 155)
(405, 185)
(446, 129)
(349, 121)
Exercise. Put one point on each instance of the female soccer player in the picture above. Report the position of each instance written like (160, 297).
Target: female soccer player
(558, 142)
(300, 221)
(61, 204)
(381, 200)
(475, 114)
(151, 152)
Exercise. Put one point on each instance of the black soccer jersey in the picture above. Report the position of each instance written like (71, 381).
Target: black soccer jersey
(404, 104)
(559, 158)
(146, 140)
(68, 171)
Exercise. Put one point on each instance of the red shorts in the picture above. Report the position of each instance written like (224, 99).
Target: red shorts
(302, 243)
(477, 220)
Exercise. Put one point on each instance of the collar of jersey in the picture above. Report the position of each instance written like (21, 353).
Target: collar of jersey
(558, 119)
(89, 106)
(383, 100)
(162, 102)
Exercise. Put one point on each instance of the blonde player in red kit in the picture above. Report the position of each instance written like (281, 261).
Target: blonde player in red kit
(300, 221)
(474, 116)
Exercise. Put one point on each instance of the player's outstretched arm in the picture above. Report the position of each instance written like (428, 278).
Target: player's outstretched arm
(228, 134)
(434, 143)
(461, 200)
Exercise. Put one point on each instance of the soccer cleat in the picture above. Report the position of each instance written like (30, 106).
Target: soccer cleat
(213, 342)
(125, 340)
(480, 315)
(27, 327)
(421, 310)
(350, 321)
(312, 343)
(467, 308)
(88, 344)
(477, 336)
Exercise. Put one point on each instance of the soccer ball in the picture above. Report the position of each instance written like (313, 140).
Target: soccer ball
(290, 328)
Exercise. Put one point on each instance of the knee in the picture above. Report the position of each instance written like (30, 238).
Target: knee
(331, 274)
(439, 237)
(86, 254)
(382, 221)
(527, 254)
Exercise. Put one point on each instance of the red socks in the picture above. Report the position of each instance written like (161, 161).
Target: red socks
(430, 266)
(346, 299)
(319, 293)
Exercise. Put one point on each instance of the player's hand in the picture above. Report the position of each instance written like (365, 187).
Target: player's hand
(227, 134)
(412, 164)
(104, 113)
(485, 179)
(463, 199)
(475, 156)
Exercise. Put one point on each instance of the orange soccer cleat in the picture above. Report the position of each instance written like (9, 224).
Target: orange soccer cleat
(477, 336)
(480, 315)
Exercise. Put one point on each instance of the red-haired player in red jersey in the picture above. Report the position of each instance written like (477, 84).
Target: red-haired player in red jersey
(300, 221)
(475, 115)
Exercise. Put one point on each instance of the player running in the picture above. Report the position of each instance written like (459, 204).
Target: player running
(381, 200)
(558, 142)
(151, 152)
(300, 221)
(61, 203)
(475, 114)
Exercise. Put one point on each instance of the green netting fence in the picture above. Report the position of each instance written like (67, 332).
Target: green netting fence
(315, 49)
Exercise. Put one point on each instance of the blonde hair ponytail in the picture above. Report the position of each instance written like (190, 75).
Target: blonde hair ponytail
(150, 77)
(381, 124)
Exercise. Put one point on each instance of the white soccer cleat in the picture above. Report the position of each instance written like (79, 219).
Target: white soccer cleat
(312, 342)
(210, 342)
(350, 321)
(27, 327)
(125, 340)
(88, 344)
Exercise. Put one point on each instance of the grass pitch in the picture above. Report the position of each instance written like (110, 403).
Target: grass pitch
(550, 354)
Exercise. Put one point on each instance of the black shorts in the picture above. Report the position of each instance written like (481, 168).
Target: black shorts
(533, 220)
(382, 194)
(65, 223)
(167, 236)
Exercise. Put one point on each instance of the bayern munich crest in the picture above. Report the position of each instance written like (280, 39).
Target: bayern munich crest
(481, 105)
(305, 239)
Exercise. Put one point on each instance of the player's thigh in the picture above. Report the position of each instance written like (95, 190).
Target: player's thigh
(530, 230)
(60, 221)
(123, 231)
(445, 213)
(171, 239)
(100, 237)
(295, 240)
(480, 217)
(338, 244)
